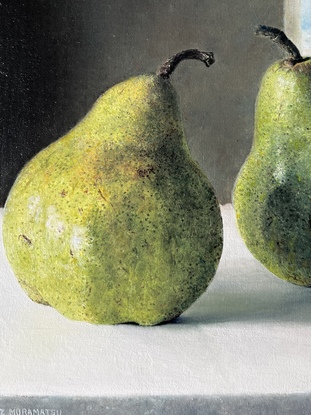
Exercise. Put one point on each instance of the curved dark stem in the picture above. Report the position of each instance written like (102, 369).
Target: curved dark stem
(169, 66)
(281, 39)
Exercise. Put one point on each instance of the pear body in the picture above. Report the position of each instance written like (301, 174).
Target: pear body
(272, 194)
(114, 222)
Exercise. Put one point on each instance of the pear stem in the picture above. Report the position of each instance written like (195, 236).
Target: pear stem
(169, 66)
(282, 40)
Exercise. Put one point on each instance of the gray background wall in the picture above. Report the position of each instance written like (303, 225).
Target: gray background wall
(57, 57)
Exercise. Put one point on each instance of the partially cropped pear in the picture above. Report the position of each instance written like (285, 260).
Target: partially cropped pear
(115, 222)
(272, 195)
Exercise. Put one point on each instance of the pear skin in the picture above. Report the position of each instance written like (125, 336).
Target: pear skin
(272, 194)
(115, 222)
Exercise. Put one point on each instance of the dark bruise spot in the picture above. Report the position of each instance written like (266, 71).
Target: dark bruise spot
(103, 197)
(26, 239)
(71, 253)
(145, 244)
(63, 193)
(146, 172)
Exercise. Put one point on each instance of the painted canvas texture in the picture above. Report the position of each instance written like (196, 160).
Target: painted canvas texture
(115, 165)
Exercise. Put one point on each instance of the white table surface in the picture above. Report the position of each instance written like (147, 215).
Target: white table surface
(249, 334)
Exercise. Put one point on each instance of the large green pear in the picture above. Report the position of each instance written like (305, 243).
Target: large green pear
(272, 195)
(115, 222)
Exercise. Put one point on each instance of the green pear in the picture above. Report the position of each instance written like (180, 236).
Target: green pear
(272, 194)
(114, 222)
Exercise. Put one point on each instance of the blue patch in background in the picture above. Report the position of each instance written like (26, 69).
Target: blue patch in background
(305, 14)
(305, 19)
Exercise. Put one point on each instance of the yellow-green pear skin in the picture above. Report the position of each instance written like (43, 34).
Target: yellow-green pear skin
(114, 222)
(272, 195)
